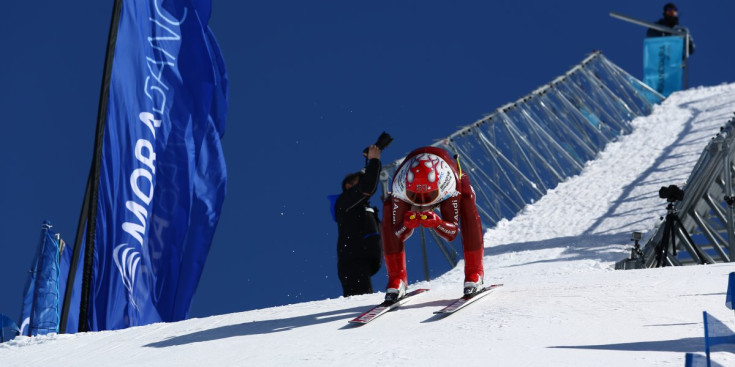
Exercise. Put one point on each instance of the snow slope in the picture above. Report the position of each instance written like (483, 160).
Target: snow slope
(561, 305)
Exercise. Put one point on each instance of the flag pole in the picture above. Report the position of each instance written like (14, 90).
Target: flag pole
(89, 207)
(74, 259)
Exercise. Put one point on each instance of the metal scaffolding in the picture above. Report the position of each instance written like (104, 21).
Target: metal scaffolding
(706, 233)
(523, 149)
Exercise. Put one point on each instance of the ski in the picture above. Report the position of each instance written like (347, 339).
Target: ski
(466, 300)
(384, 307)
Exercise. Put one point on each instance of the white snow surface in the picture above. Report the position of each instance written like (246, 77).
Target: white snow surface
(561, 303)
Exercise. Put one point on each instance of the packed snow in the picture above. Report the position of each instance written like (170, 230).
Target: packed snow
(561, 303)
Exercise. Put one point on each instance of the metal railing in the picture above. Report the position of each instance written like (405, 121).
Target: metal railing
(706, 231)
(523, 149)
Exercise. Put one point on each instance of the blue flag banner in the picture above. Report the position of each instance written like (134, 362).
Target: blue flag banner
(162, 176)
(8, 328)
(730, 291)
(74, 298)
(662, 58)
(42, 301)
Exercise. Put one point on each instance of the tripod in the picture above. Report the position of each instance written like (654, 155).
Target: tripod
(671, 226)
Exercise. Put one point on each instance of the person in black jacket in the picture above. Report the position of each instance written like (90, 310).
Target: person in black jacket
(671, 20)
(359, 250)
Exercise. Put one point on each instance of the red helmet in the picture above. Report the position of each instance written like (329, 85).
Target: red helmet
(422, 184)
(424, 179)
(428, 179)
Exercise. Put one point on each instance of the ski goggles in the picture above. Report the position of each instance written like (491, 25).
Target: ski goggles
(422, 198)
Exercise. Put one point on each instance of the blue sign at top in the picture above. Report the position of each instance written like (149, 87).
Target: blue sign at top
(662, 63)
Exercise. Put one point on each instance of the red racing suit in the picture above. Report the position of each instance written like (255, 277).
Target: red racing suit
(457, 212)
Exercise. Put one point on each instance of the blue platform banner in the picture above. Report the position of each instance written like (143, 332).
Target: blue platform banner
(162, 175)
(662, 63)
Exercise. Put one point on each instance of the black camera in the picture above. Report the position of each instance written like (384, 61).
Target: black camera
(637, 236)
(671, 194)
(383, 141)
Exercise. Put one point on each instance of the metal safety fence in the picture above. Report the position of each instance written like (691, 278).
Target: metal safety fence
(698, 227)
(517, 153)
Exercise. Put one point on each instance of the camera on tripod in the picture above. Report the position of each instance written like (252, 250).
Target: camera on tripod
(637, 237)
(672, 193)
(636, 254)
(383, 141)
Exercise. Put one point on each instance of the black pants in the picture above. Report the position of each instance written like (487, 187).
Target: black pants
(355, 279)
(355, 270)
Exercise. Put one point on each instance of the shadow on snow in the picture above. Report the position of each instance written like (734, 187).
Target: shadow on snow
(259, 327)
(684, 345)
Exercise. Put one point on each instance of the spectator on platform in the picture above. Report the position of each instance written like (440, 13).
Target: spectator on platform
(671, 20)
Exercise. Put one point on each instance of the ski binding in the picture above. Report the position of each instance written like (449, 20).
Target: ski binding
(385, 307)
(466, 300)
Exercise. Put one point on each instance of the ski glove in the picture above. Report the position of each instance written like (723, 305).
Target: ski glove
(430, 219)
(411, 219)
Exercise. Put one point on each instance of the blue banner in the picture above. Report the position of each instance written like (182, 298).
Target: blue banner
(72, 324)
(7, 323)
(662, 58)
(42, 301)
(162, 178)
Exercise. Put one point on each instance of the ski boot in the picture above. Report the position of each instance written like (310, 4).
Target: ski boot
(473, 285)
(394, 294)
(473, 272)
(395, 264)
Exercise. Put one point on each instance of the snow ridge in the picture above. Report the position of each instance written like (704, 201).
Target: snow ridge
(561, 305)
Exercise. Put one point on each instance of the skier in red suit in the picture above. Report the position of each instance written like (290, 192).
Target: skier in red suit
(429, 179)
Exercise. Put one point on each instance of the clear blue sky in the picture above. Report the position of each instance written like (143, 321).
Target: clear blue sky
(311, 84)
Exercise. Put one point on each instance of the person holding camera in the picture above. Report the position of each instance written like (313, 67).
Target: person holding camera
(429, 179)
(359, 246)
